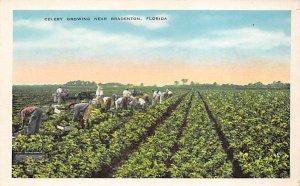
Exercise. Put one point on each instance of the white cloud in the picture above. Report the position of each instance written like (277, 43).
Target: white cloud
(82, 38)
(245, 38)
(150, 24)
(97, 42)
(250, 38)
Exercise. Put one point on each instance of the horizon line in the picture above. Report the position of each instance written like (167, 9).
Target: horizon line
(180, 83)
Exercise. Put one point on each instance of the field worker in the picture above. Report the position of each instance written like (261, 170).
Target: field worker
(59, 95)
(87, 114)
(158, 92)
(146, 98)
(134, 92)
(169, 93)
(119, 102)
(64, 94)
(126, 93)
(126, 96)
(162, 97)
(35, 120)
(99, 96)
(154, 93)
(78, 108)
(155, 99)
(133, 102)
(114, 98)
(142, 102)
(99, 91)
(107, 103)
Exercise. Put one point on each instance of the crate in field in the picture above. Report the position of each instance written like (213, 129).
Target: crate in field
(65, 128)
(57, 110)
(21, 156)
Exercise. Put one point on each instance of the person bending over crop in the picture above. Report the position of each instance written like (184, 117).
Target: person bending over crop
(35, 120)
(146, 98)
(162, 97)
(114, 98)
(126, 96)
(78, 108)
(169, 93)
(86, 108)
(107, 103)
(133, 102)
(156, 96)
(121, 103)
(143, 103)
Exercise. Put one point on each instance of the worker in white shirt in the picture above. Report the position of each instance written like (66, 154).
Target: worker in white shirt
(119, 102)
(154, 93)
(99, 96)
(169, 93)
(142, 102)
(126, 93)
(156, 96)
(59, 95)
(99, 91)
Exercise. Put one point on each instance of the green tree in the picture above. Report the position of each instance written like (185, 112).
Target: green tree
(184, 81)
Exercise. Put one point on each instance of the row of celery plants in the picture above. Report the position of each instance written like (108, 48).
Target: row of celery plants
(256, 124)
(200, 153)
(151, 157)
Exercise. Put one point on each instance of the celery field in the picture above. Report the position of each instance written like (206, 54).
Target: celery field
(196, 133)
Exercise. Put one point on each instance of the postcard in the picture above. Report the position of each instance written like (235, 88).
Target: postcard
(148, 93)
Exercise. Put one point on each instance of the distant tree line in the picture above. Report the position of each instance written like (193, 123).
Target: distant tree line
(91, 83)
(257, 85)
(274, 85)
(185, 82)
(81, 83)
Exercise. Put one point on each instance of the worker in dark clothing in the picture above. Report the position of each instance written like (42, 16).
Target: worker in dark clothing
(35, 114)
(78, 108)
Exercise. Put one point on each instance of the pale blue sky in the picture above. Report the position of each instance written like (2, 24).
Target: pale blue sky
(194, 36)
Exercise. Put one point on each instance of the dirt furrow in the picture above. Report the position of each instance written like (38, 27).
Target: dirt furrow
(237, 170)
(181, 128)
